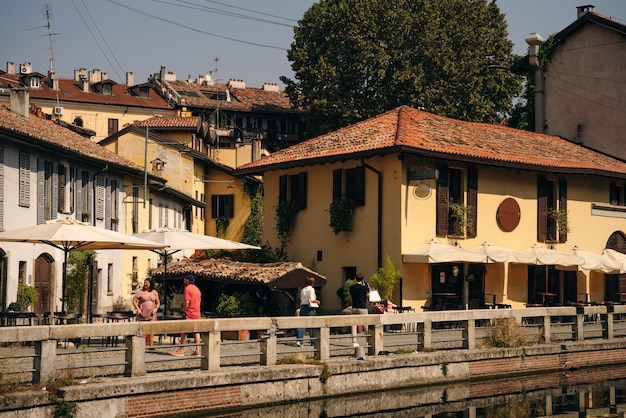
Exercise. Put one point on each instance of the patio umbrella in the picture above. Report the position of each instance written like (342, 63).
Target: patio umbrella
(72, 235)
(548, 257)
(616, 256)
(434, 252)
(597, 262)
(497, 254)
(180, 239)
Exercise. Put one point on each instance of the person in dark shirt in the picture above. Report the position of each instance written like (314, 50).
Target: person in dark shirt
(359, 295)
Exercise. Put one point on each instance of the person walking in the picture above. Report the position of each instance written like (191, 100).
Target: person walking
(359, 295)
(147, 302)
(308, 307)
(191, 307)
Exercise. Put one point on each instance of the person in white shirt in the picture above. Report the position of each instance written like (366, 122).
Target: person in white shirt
(308, 306)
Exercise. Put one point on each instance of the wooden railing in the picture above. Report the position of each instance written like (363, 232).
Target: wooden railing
(42, 350)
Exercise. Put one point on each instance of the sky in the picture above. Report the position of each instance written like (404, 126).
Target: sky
(228, 39)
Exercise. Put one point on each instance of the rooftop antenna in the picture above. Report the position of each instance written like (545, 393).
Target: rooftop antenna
(48, 16)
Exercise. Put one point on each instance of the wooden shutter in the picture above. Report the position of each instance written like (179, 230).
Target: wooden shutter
(614, 194)
(355, 185)
(108, 205)
(298, 190)
(563, 205)
(61, 191)
(542, 208)
(79, 196)
(41, 191)
(472, 201)
(24, 193)
(54, 199)
(214, 206)
(282, 188)
(229, 206)
(337, 183)
(100, 192)
(442, 200)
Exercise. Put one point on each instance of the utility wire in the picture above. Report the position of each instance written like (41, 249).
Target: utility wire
(141, 12)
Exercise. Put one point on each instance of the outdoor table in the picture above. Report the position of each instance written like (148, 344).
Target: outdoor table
(16, 319)
(546, 295)
(402, 309)
(444, 296)
(61, 318)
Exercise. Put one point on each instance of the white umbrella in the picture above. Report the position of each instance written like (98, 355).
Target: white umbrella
(598, 262)
(71, 235)
(548, 257)
(617, 256)
(434, 252)
(497, 254)
(180, 239)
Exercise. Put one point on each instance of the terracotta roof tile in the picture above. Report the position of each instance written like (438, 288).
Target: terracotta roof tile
(420, 132)
(69, 90)
(173, 122)
(49, 132)
(235, 271)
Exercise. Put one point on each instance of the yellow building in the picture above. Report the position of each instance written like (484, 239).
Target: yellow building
(409, 177)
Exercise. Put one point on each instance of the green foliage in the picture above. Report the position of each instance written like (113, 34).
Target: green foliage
(459, 215)
(26, 296)
(560, 217)
(253, 230)
(340, 215)
(506, 333)
(354, 59)
(65, 409)
(285, 213)
(221, 225)
(385, 279)
(237, 304)
(344, 292)
(78, 263)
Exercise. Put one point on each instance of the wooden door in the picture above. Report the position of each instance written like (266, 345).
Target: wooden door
(43, 279)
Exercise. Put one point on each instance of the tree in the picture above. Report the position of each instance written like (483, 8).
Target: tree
(354, 59)
(385, 279)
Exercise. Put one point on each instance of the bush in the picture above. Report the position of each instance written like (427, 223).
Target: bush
(237, 304)
(26, 296)
(505, 332)
(386, 278)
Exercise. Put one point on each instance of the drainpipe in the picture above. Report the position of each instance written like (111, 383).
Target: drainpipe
(379, 240)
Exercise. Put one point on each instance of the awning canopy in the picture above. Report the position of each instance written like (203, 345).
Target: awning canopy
(598, 262)
(548, 257)
(434, 252)
(277, 276)
(497, 254)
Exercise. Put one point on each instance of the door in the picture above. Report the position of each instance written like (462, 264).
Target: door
(43, 279)
(3, 281)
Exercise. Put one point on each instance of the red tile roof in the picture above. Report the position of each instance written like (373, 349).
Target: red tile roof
(413, 131)
(245, 99)
(49, 132)
(173, 122)
(69, 91)
(241, 272)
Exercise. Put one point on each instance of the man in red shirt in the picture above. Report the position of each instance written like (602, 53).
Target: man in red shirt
(191, 307)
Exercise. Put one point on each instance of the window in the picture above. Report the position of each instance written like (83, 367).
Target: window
(34, 82)
(107, 89)
(135, 212)
(616, 194)
(109, 278)
(100, 196)
(84, 197)
(254, 123)
(21, 272)
(457, 201)
(24, 193)
(135, 269)
(112, 126)
(551, 210)
(288, 126)
(293, 188)
(47, 193)
(351, 184)
(112, 212)
(222, 206)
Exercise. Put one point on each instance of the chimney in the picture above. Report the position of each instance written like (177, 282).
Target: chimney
(95, 76)
(105, 76)
(10, 68)
(79, 74)
(583, 10)
(53, 81)
(236, 83)
(162, 72)
(19, 102)
(270, 87)
(130, 79)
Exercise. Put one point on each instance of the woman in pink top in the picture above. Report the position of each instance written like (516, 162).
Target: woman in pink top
(147, 302)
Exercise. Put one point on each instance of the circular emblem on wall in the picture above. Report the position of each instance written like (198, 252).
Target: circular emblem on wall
(421, 191)
(508, 214)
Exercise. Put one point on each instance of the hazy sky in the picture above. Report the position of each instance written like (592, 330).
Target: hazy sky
(249, 37)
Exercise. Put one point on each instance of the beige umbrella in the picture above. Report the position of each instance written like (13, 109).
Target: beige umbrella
(71, 235)
(434, 252)
(497, 254)
(180, 239)
(597, 262)
(617, 256)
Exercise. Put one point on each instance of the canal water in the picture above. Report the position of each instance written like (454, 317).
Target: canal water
(592, 392)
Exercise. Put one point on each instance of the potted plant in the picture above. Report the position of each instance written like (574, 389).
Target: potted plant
(459, 219)
(560, 218)
(340, 215)
(235, 305)
(26, 297)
